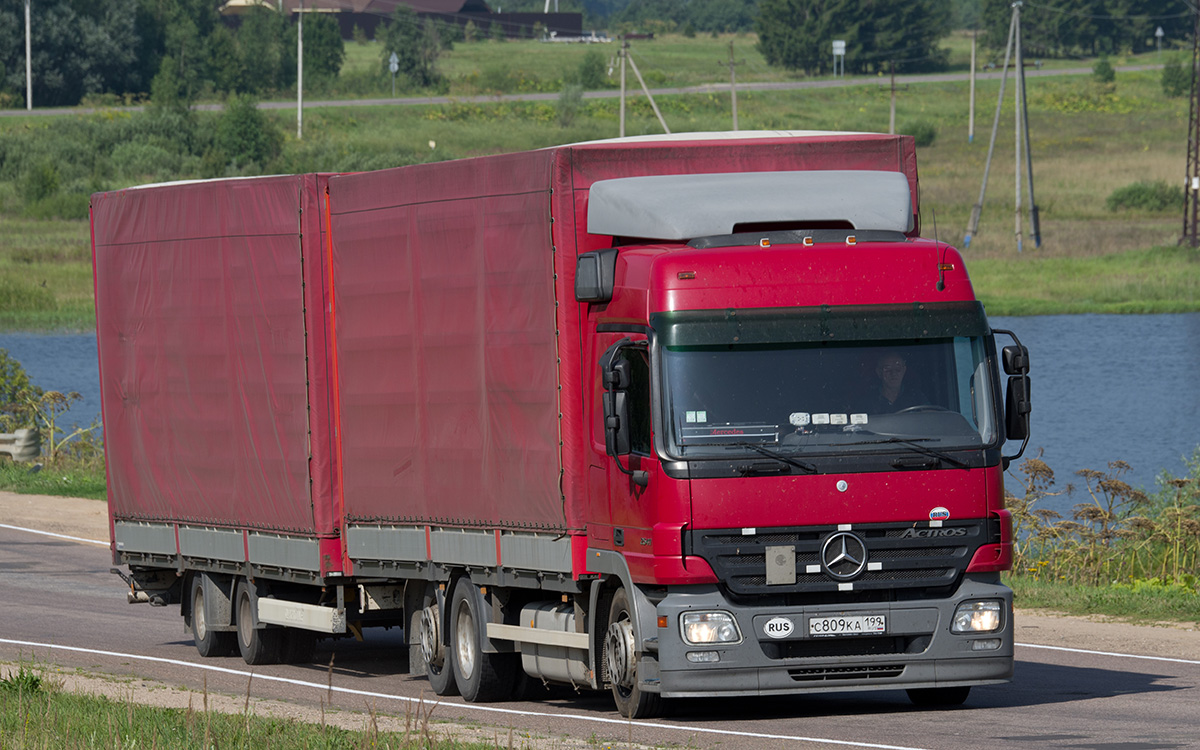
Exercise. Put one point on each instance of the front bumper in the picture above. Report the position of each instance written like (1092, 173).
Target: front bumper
(916, 651)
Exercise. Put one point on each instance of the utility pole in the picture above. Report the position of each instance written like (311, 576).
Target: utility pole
(733, 84)
(621, 54)
(1191, 205)
(300, 73)
(892, 114)
(1022, 124)
(646, 89)
(971, 106)
(28, 61)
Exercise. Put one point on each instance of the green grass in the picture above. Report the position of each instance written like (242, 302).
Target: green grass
(36, 713)
(64, 478)
(1088, 141)
(1141, 603)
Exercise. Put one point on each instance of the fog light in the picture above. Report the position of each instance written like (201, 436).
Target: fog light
(709, 627)
(985, 644)
(976, 617)
(699, 657)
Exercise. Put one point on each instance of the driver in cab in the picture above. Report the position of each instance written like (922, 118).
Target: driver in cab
(891, 393)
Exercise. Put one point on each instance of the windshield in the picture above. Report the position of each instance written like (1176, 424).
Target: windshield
(827, 397)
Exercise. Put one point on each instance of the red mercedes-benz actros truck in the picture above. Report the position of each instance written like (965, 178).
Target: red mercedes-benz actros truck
(673, 416)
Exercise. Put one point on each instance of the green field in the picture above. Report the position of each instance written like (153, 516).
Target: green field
(1087, 141)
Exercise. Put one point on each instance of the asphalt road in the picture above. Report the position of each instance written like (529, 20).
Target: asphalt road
(60, 592)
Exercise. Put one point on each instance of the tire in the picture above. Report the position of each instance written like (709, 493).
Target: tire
(619, 657)
(932, 697)
(209, 642)
(258, 645)
(439, 664)
(482, 677)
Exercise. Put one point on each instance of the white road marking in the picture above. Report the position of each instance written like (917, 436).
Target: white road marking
(57, 536)
(1109, 653)
(691, 730)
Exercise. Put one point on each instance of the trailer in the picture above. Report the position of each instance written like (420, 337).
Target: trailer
(675, 416)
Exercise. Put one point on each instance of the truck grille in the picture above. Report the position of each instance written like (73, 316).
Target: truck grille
(909, 556)
(864, 672)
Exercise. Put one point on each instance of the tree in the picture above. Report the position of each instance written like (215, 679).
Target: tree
(324, 51)
(798, 34)
(78, 49)
(416, 50)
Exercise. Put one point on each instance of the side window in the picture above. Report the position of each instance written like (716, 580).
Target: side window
(639, 399)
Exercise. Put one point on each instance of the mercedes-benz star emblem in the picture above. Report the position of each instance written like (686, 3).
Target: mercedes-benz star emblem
(844, 556)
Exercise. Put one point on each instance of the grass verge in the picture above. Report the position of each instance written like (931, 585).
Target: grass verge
(1142, 602)
(65, 478)
(36, 713)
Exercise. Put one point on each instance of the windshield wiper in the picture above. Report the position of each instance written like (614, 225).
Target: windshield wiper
(925, 450)
(806, 467)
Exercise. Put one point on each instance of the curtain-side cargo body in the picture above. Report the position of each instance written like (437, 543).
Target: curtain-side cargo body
(668, 416)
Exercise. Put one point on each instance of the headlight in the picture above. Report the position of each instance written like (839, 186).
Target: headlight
(976, 617)
(709, 627)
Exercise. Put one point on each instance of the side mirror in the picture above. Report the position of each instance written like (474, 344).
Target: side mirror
(615, 377)
(1017, 406)
(1016, 360)
(595, 274)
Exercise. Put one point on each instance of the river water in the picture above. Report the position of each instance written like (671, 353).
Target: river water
(1105, 388)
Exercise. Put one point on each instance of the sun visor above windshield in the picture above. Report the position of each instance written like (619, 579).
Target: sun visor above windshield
(683, 207)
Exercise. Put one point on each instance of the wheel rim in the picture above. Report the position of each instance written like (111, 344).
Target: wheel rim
(620, 652)
(431, 642)
(198, 620)
(464, 641)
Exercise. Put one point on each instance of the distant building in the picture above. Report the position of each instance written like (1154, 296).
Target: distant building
(368, 14)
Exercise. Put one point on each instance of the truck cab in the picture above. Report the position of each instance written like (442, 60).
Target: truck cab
(796, 435)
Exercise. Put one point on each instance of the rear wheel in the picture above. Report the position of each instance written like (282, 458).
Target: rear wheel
(944, 696)
(258, 645)
(620, 658)
(481, 676)
(439, 667)
(209, 642)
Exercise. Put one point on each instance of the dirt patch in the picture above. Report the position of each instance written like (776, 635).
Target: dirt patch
(70, 516)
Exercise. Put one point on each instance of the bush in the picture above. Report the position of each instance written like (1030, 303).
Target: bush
(570, 101)
(924, 133)
(246, 135)
(1146, 196)
(41, 182)
(1103, 71)
(60, 206)
(593, 72)
(1176, 80)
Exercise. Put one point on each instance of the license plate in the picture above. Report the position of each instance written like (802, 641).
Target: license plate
(854, 625)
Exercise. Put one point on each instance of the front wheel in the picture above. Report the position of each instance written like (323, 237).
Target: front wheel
(944, 696)
(620, 657)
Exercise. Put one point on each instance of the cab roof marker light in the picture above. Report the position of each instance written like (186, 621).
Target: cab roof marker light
(764, 242)
(686, 275)
(808, 241)
(851, 240)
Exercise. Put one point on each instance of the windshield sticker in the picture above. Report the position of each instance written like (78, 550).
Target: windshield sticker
(939, 514)
(838, 419)
(820, 419)
(697, 417)
(858, 419)
(800, 418)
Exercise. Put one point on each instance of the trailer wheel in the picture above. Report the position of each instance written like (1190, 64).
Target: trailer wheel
(258, 645)
(481, 676)
(208, 642)
(439, 667)
(620, 658)
(945, 696)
